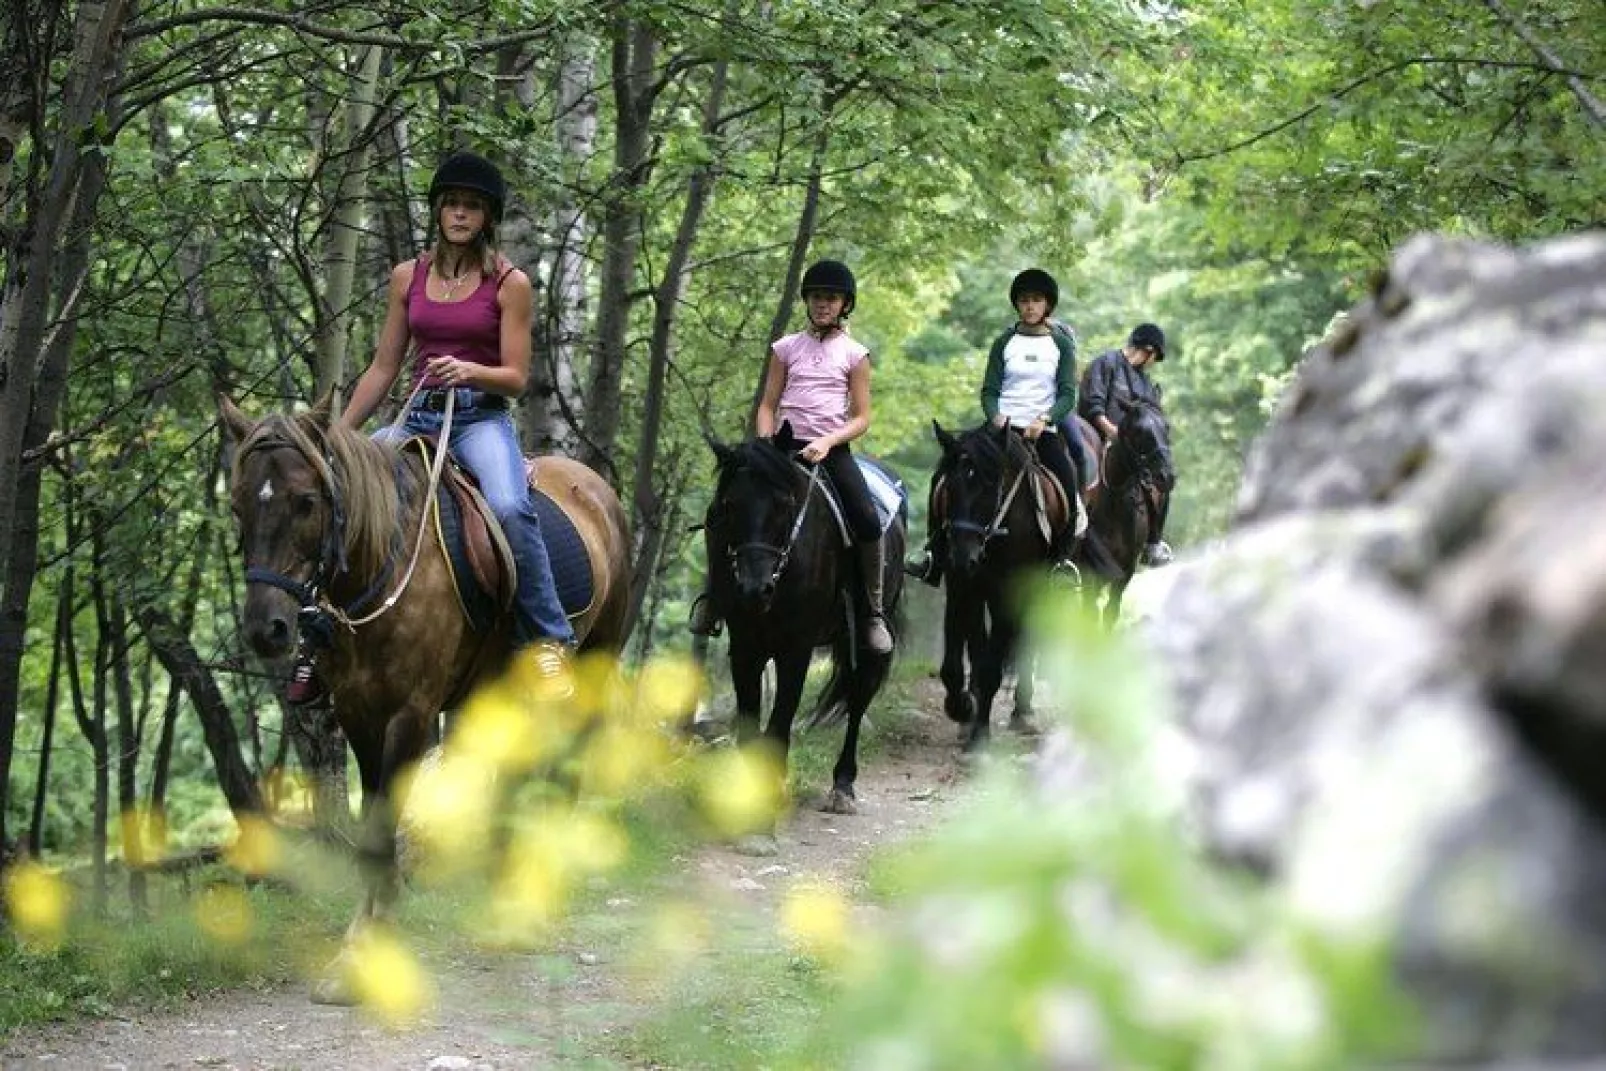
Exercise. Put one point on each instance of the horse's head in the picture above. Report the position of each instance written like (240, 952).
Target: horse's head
(977, 465)
(752, 519)
(299, 494)
(1145, 438)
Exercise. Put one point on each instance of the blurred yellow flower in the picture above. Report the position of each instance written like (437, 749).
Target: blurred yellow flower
(668, 690)
(37, 900)
(742, 790)
(621, 759)
(450, 802)
(224, 914)
(680, 931)
(144, 835)
(388, 980)
(499, 730)
(814, 919)
(257, 850)
(553, 851)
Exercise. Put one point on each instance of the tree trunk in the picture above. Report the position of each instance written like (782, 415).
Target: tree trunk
(36, 825)
(794, 263)
(31, 258)
(128, 748)
(49, 385)
(646, 519)
(634, 54)
(95, 727)
(180, 659)
(553, 408)
(346, 223)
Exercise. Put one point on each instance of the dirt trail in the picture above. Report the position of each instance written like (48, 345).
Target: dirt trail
(552, 1010)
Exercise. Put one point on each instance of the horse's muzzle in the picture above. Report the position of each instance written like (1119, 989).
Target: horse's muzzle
(270, 623)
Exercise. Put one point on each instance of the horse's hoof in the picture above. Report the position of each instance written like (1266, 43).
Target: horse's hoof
(762, 845)
(1025, 726)
(840, 802)
(960, 709)
(334, 990)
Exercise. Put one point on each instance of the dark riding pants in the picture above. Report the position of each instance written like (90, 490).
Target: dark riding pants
(858, 508)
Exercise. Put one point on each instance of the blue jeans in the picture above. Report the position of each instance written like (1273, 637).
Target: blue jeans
(484, 441)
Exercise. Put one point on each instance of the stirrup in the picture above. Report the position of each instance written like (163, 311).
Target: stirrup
(924, 569)
(1066, 571)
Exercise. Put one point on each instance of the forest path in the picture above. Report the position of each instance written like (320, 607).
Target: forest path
(571, 1005)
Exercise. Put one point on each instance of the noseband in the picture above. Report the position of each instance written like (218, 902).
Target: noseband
(316, 615)
(783, 553)
(1003, 502)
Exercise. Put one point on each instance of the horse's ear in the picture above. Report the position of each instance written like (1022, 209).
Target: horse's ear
(944, 439)
(722, 453)
(323, 410)
(238, 424)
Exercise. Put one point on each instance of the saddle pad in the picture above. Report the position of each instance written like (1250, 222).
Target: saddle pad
(571, 566)
(890, 496)
(478, 605)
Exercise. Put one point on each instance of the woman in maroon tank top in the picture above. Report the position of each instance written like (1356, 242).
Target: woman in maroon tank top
(466, 312)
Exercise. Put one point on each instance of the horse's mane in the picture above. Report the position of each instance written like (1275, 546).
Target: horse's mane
(772, 464)
(359, 473)
(990, 455)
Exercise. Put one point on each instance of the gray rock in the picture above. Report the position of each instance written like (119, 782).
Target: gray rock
(1392, 673)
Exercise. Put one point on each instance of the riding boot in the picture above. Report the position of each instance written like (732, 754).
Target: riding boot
(877, 637)
(702, 621)
(927, 568)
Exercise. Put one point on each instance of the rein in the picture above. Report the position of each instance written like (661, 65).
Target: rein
(317, 615)
(1005, 500)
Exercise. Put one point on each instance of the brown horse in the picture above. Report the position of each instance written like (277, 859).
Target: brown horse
(328, 523)
(1135, 475)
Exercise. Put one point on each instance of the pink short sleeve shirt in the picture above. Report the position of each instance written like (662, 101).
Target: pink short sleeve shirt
(815, 398)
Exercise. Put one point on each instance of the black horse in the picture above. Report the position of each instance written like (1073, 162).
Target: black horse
(782, 580)
(994, 542)
(1136, 476)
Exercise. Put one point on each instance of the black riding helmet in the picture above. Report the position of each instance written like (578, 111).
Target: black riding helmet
(470, 171)
(1148, 336)
(1035, 281)
(831, 275)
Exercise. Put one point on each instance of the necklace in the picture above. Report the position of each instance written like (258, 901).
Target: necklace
(449, 287)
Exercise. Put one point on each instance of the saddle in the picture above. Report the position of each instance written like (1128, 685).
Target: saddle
(477, 551)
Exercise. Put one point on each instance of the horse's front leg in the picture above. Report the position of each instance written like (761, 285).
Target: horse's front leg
(381, 754)
(747, 680)
(990, 654)
(959, 608)
(791, 670)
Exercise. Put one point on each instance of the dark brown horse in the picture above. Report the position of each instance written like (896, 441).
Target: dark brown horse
(1136, 474)
(328, 527)
(785, 585)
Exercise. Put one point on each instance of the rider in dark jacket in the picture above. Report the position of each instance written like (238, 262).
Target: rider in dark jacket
(1113, 382)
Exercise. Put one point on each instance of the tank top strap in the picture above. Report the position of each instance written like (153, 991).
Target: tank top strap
(420, 275)
(504, 268)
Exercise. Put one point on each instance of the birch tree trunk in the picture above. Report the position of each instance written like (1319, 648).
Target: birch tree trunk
(794, 263)
(353, 150)
(634, 53)
(553, 407)
(646, 519)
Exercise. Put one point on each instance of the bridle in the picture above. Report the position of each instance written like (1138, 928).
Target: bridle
(782, 553)
(1003, 501)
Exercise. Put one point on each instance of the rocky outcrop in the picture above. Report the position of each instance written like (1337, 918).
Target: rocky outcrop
(1392, 673)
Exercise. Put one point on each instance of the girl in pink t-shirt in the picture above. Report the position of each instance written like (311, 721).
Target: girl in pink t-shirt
(819, 382)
